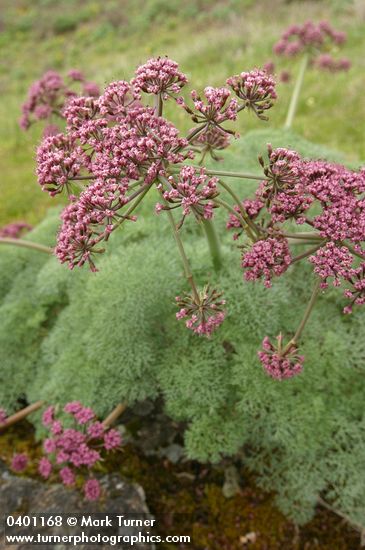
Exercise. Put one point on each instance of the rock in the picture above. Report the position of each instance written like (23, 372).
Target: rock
(25, 496)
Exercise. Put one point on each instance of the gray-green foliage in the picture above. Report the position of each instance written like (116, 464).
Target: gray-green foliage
(112, 336)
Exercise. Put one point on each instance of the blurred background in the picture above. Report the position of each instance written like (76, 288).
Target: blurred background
(211, 40)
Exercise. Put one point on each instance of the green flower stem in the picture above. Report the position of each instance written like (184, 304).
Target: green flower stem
(213, 242)
(223, 173)
(291, 240)
(295, 96)
(139, 196)
(158, 105)
(180, 246)
(306, 253)
(306, 315)
(26, 244)
(251, 229)
(306, 235)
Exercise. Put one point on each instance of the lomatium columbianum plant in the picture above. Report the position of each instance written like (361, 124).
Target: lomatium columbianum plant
(116, 148)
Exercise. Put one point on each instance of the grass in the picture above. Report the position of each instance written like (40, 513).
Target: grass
(211, 40)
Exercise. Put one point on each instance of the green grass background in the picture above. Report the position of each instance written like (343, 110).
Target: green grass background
(211, 39)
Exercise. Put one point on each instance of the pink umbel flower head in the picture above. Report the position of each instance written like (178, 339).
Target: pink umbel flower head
(67, 476)
(203, 309)
(216, 107)
(19, 462)
(266, 258)
(251, 207)
(84, 415)
(256, 90)
(45, 467)
(112, 439)
(278, 361)
(332, 261)
(92, 489)
(211, 140)
(117, 98)
(96, 430)
(159, 75)
(48, 96)
(58, 161)
(15, 230)
(316, 40)
(193, 191)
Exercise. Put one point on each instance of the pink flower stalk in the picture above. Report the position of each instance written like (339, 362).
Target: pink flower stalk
(193, 192)
(280, 363)
(332, 261)
(3, 416)
(265, 259)
(19, 462)
(67, 476)
(159, 75)
(15, 230)
(256, 89)
(216, 107)
(45, 467)
(205, 310)
(112, 439)
(58, 161)
(92, 489)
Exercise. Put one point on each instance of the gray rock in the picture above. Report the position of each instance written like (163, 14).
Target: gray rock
(24, 496)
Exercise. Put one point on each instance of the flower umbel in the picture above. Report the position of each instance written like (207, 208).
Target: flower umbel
(278, 361)
(205, 309)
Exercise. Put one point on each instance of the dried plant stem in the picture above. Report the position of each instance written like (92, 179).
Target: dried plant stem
(20, 415)
(116, 413)
(26, 244)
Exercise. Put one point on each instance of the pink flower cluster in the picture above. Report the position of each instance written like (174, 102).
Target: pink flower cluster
(280, 362)
(19, 462)
(256, 89)
(314, 39)
(159, 75)
(204, 308)
(211, 140)
(265, 259)
(216, 107)
(15, 230)
(193, 192)
(76, 450)
(292, 186)
(332, 261)
(48, 96)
